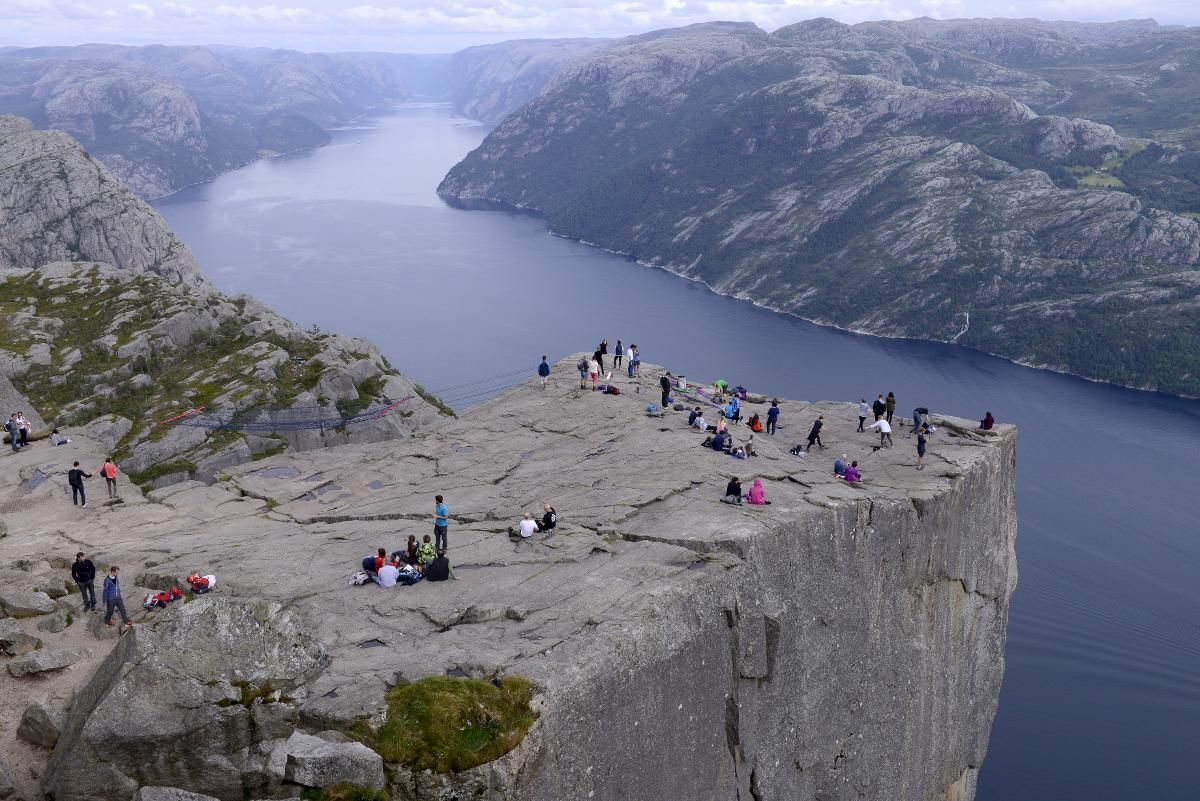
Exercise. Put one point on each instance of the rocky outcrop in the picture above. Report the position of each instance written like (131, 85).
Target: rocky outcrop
(119, 347)
(57, 203)
(315, 762)
(807, 169)
(845, 641)
(191, 700)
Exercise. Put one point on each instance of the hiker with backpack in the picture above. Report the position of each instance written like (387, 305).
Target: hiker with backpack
(109, 471)
(665, 384)
(617, 356)
(544, 371)
(582, 366)
(75, 477)
(112, 598)
(83, 573)
(14, 432)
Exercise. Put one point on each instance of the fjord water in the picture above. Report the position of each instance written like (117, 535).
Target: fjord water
(1101, 697)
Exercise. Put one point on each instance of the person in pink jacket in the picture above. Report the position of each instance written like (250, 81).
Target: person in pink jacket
(852, 473)
(757, 496)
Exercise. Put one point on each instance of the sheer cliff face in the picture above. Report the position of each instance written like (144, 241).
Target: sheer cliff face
(57, 203)
(875, 178)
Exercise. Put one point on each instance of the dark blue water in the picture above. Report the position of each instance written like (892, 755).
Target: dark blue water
(1101, 697)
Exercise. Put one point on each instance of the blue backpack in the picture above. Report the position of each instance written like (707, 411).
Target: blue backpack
(368, 564)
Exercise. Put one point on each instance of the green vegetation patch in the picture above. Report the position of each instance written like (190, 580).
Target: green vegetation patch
(162, 469)
(448, 725)
(433, 400)
(343, 792)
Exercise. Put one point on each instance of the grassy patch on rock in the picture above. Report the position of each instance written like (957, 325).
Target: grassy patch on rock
(448, 725)
(343, 792)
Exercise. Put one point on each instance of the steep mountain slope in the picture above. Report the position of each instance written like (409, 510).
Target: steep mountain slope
(107, 324)
(163, 117)
(490, 82)
(869, 177)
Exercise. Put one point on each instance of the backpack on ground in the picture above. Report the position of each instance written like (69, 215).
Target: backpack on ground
(359, 578)
(613, 390)
(199, 584)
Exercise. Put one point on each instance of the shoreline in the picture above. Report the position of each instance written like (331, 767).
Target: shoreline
(491, 204)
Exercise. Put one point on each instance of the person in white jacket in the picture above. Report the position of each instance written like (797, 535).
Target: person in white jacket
(864, 409)
(885, 432)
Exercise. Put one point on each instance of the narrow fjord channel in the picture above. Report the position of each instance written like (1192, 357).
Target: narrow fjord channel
(1101, 698)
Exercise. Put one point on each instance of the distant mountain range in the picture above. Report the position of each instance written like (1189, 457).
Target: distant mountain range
(1029, 189)
(161, 118)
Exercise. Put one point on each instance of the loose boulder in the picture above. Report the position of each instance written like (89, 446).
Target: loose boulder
(180, 697)
(319, 762)
(44, 662)
(14, 641)
(169, 794)
(22, 603)
(40, 725)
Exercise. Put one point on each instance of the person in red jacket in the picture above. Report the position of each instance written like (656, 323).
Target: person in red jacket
(109, 471)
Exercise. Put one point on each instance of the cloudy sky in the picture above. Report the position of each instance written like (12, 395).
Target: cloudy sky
(444, 25)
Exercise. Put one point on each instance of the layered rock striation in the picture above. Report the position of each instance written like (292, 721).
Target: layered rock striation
(842, 642)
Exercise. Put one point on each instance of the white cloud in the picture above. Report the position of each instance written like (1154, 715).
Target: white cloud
(442, 25)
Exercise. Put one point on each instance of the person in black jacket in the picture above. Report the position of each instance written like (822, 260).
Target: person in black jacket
(879, 407)
(814, 435)
(549, 520)
(83, 573)
(439, 568)
(665, 383)
(75, 477)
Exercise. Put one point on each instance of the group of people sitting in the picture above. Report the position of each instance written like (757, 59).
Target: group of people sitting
(757, 496)
(721, 439)
(415, 563)
(529, 526)
(847, 470)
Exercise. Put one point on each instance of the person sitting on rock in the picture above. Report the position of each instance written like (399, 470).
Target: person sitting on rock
(692, 415)
(549, 519)
(733, 410)
(757, 495)
(755, 423)
(426, 552)
(699, 422)
(852, 474)
(526, 528)
(733, 492)
(987, 422)
(387, 575)
(371, 564)
(839, 466)
(410, 555)
(719, 441)
(58, 439)
(439, 568)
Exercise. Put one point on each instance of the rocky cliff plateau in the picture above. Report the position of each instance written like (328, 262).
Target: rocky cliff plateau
(919, 179)
(843, 642)
(109, 328)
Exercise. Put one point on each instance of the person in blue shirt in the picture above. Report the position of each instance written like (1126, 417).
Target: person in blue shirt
(733, 410)
(441, 521)
(112, 598)
(544, 371)
(620, 351)
(772, 417)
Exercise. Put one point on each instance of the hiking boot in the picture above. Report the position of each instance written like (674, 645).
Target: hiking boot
(109, 623)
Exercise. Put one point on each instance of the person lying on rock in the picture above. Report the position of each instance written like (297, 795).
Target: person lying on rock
(733, 492)
(757, 495)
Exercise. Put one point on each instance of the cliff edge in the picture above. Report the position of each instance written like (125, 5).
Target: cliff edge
(843, 642)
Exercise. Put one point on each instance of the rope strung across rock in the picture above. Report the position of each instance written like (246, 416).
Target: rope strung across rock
(295, 419)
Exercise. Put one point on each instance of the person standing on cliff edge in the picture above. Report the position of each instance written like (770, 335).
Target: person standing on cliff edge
(544, 371)
(889, 406)
(441, 523)
(665, 384)
(617, 354)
